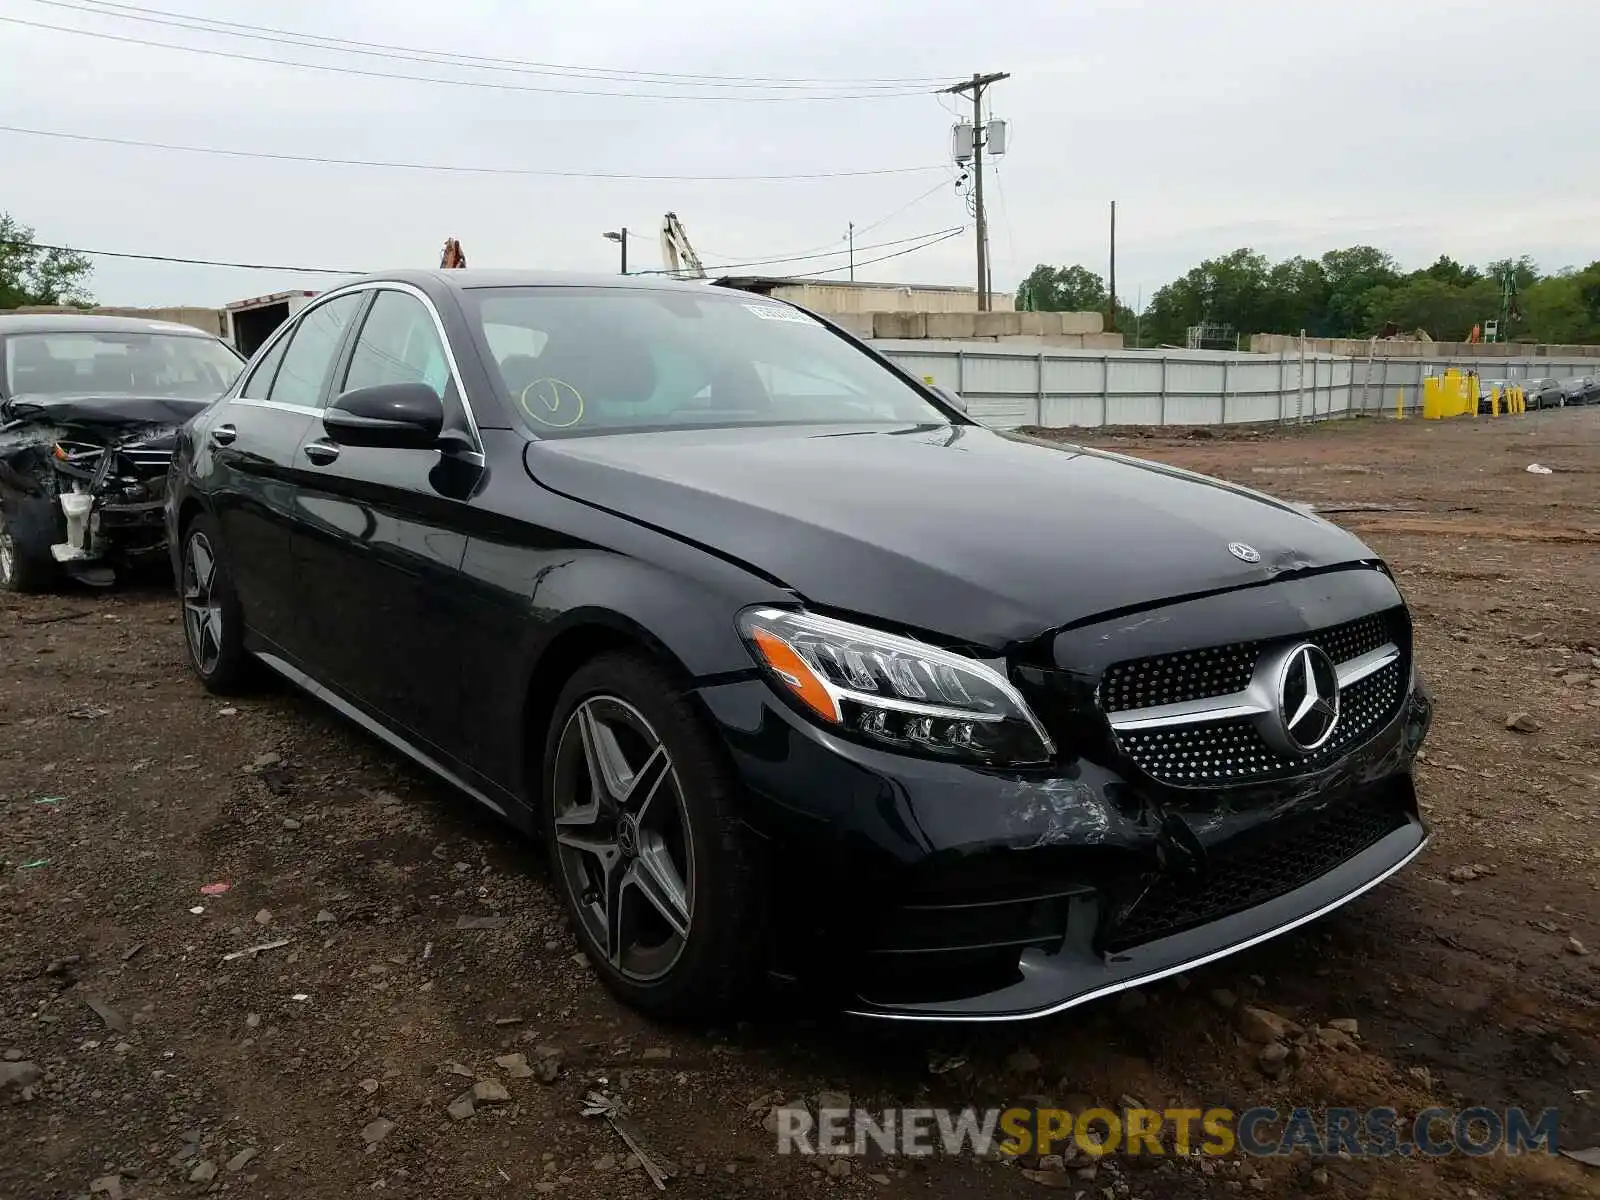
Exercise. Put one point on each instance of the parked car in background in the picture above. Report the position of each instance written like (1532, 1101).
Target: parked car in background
(797, 671)
(89, 408)
(1578, 389)
(1486, 391)
(1544, 393)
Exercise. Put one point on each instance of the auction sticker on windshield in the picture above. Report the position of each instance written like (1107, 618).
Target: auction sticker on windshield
(773, 312)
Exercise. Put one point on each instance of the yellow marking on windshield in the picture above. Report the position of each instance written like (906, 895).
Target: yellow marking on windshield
(548, 400)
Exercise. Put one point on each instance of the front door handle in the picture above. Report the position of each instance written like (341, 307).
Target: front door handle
(223, 435)
(321, 453)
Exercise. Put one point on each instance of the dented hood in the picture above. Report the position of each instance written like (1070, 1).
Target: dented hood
(113, 413)
(958, 530)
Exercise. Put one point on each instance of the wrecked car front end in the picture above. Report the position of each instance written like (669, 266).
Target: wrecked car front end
(1173, 827)
(83, 483)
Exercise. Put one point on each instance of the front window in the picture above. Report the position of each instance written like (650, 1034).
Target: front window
(598, 360)
(101, 362)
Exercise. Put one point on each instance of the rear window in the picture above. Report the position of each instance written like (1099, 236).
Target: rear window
(576, 361)
(106, 363)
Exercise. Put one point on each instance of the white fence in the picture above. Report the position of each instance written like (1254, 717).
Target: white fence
(1008, 386)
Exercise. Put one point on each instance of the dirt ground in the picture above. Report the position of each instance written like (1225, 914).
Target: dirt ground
(324, 1068)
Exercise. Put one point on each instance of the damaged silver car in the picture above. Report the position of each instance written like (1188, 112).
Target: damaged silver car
(89, 408)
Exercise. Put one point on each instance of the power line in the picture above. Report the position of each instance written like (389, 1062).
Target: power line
(795, 254)
(881, 258)
(248, 266)
(1005, 217)
(940, 186)
(491, 85)
(170, 258)
(767, 262)
(384, 50)
(228, 152)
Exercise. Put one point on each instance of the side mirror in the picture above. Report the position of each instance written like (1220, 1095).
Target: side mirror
(401, 416)
(954, 399)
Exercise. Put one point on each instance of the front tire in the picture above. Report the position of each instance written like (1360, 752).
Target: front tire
(645, 844)
(212, 628)
(21, 570)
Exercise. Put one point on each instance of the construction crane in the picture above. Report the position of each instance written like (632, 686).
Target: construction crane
(453, 255)
(677, 255)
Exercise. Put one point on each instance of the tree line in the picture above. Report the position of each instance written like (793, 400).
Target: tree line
(1356, 292)
(31, 274)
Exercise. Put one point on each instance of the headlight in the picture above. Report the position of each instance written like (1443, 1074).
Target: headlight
(895, 690)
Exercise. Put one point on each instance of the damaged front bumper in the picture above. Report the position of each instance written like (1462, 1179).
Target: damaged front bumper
(102, 527)
(914, 889)
(111, 503)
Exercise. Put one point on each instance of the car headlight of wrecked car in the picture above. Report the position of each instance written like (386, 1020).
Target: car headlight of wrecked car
(894, 690)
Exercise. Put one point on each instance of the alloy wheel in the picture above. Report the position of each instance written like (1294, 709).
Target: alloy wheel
(623, 841)
(202, 611)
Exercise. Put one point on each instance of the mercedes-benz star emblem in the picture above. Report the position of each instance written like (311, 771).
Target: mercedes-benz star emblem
(1308, 697)
(1243, 552)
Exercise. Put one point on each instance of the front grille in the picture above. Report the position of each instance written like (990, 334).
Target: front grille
(1291, 855)
(1355, 638)
(1174, 678)
(1231, 752)
(1222, 670)
(147, 460)
(1222, 753)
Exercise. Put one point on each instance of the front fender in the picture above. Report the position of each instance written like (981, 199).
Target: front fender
(545, 595)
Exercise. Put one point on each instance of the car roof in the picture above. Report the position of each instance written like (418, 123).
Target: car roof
(92, 322)
(464, 278)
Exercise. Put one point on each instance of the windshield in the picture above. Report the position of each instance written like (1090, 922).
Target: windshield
(596, 360)
(107, 363)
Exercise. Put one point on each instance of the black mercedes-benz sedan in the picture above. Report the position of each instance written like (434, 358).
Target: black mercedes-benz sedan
(799, 673)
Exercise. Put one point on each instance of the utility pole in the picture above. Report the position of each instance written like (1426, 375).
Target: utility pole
(1111, 320)
(621, 238)
(852, 236)
(976, 86)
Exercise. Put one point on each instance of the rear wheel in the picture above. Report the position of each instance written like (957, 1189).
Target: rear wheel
(212, 628)
(644, 842)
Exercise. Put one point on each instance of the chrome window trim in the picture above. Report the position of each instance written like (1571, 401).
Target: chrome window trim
(257, 359)
(279, 405)
(395, 285)
(348, 289)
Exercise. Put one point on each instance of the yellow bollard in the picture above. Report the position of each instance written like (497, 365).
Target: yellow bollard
(1494, 402)
(1399, 404)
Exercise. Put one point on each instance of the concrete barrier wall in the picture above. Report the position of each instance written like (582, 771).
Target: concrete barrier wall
(1284, 343)
(988, 326)
(1007, 386)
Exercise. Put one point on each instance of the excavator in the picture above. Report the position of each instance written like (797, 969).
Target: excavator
(677, 255)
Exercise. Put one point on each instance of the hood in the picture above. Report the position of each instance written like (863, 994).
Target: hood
(985, 538)
(112, 412)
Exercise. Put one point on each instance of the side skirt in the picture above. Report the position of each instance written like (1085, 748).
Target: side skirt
(345, 709)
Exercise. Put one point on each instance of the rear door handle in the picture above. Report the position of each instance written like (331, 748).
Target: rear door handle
(321, 453)
(223, 435)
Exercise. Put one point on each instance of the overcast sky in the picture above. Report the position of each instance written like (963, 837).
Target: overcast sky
(1424, 127)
